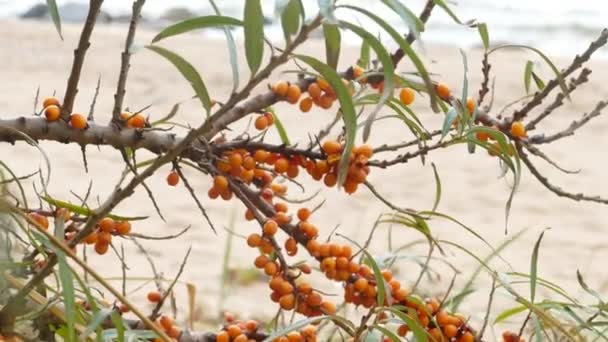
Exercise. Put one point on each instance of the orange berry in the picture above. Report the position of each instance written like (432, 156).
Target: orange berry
(260, 156)
(314, 299)
(482, 136)
(467, 337)
(403, 330)
(450, 331)
(260, 261)
(136, 121)
(101, 248)
(293, 94)
(251, 325)
(154, 296)
(235, 159)
(52, 113)
(270, 228)
(123, 227)
(442, 90)
(518, 130)
(364, 150)
(280, 88)
(271, 268)
(332, 147)
(314, 90)
(254, 240)
(220, 182)
(50, 101)
(326, 101)
(104, 238)
(306, 104)
(304, 214)
(387, 275)
(350, 186)
(291, 246)
(281, 165)
(282, 218)
(166, 322)
(270, 117)
(280, 207)
(361, 284)
(261, 122)
(107, 225)
(175, 332)
(222, 337)
(358, 71)
(172, 178)
(240, 338)
(324, 85)
(471, 105)
(407, 95)
(40, 219)
(91, 238)
(328, 308)
(78, 121)
(234, 330)
(330, 180)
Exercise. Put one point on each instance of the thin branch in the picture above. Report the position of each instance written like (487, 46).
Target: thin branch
(535, 151)
(485, 71)
(165, 237)
(555, 189)
(79, 55)
(178, 169)
(411, 37)
(486, 318)
(166, 294)
(125, 61)
(91, 116)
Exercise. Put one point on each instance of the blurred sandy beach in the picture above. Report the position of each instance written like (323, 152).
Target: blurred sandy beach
(32, 55)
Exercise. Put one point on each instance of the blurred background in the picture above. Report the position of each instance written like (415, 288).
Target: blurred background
(556, 27)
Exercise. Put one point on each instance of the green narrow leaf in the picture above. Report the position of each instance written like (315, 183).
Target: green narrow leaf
(95, 321)
(539, 82)
(326, 7)
(583, 284)
(349, 116)
(119, 327)
(528, 75)
(388, 71)
(448, 10)
(254, 34)
(54, 12)
(363, 60)
(482, 28)
(437, 188)
(419, 332)
(407, 48)
(508, 313)
(534, 267)
(67, 282)
(290, 19)
(295, 326)
(558, 75)
(196, 24)
(279, 126)
(231, 51)
(412, 21)
(380, 284)
(450, 116)
(332, 44)
(189, 73)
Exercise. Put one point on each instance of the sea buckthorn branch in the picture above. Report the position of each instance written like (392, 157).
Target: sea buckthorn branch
(125, 61)
(577, 62)
(411, 36)
(537, 152)
(283, 149)
(485, 71)
(79, 57)
(559, 98)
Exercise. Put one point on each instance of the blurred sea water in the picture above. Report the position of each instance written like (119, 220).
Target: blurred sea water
(558, 27)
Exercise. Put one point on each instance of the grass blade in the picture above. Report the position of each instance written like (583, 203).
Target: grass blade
(534, 267)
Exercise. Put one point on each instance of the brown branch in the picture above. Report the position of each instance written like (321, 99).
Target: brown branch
(404, 158)
(396, 147)
(411, 37)
(578, 61)
(256, 145)
(485, 71)
(575, 125)
(537, 152)
(79, 55)
(555, 189)
(125, 61)
(559, 99)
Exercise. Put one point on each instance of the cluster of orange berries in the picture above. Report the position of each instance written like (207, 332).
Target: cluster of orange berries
(167, 324)
(328, 169)
(264, 121)
(101, 236)
(52, 112)
(320, 93)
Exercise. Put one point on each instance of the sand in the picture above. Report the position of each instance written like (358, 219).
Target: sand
(32, 55)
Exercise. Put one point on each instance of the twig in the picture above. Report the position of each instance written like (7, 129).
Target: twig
(396, 147)
(157, 276)
(555, 189)
(160, 303)
(178, 169)
(165, 237)
(485, 71)
(559, 99)
(486, 318)
(573, 126)
(79, 55)
(411, 37)
(576, 63)
(535, 151)
(125, 61)
(91, 116)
